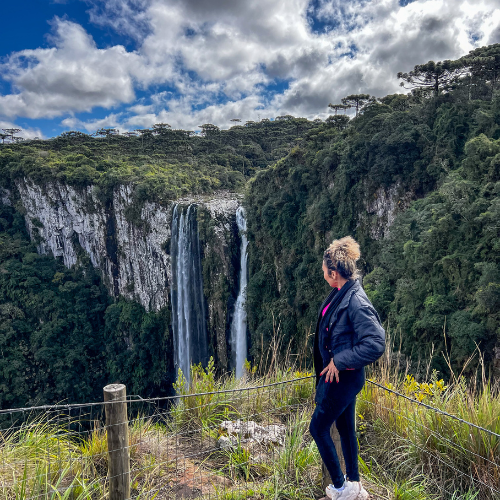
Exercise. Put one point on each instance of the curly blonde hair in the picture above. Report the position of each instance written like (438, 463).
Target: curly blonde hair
(341, 256)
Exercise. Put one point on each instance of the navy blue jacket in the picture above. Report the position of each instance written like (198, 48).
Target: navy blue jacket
(355, 336)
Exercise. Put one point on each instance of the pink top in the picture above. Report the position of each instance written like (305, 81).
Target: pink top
(324, 310)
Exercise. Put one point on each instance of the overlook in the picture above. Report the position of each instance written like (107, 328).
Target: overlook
(186, 265)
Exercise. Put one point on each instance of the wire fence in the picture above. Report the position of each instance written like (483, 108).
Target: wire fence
(245, 442)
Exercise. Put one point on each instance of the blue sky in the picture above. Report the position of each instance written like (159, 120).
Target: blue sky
(86, 64)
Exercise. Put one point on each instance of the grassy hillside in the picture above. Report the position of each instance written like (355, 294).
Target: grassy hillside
(407, 450)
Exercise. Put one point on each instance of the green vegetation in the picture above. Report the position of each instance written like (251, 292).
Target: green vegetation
(62, 338)
(435, 274)
(162, 164)
(177, 451)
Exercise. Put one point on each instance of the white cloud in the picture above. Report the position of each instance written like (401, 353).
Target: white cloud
(110, 121)
(180, 114)
(220, 54)
(72, 76)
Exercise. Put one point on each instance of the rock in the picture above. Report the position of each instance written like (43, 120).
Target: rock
(385, 204)
(224, 443)
(5, 197)
(129, 245)
(249, 431)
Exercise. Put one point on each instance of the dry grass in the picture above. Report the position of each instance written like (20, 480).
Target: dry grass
(407, 442)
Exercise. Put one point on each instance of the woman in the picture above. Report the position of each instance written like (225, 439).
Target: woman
(349, 336)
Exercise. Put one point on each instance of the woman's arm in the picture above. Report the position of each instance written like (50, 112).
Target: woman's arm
(370, 344)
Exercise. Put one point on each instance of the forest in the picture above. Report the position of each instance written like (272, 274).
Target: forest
(433, 273)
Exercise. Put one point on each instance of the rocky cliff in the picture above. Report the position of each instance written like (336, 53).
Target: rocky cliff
(383, 207)
(130, 244)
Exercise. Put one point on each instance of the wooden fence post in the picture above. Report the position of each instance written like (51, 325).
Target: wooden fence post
(115, 396)
(336, 439)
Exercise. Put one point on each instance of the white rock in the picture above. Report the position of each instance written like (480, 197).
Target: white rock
(385, 204)
(249, 431)
(224, 443)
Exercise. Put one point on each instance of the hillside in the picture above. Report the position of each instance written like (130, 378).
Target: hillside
(416, 179)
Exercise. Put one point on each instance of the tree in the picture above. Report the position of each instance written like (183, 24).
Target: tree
(11, 132)
(300, 123)
(73, 136)
(438, 77)
(106, 132)
(356, 100)
(209, 130)
(339, 122)
(483, 65)
(337, 107)
(235, 120)
(143, 132)
(3, 137)
(398, 102)
(161, 129)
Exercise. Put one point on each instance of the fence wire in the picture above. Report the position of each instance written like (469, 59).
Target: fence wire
(246, 442)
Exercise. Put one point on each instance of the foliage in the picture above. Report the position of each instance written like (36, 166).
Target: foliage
(435, 76)
(162, 164)
(429, 451)
(61, 336)
(436, 269)
(354, 100)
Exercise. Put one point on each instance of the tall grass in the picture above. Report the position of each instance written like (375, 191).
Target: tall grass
(408, 450)
(411, 440)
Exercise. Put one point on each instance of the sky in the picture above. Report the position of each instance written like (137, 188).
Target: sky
(128, 64)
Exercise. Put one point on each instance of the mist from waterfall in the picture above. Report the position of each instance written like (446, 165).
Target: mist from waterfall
(239, 325)
(188, 302)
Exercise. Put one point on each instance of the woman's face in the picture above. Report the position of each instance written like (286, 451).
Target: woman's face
(331, 279)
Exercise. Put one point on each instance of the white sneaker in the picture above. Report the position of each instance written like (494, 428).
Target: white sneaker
(363, 494)
(350, 492)
(331, 492)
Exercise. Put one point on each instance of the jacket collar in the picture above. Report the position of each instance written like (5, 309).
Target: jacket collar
(345, 301)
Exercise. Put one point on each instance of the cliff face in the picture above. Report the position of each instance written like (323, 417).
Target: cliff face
(129, 245)
(221, 246)
(71, 224)
(383, 207)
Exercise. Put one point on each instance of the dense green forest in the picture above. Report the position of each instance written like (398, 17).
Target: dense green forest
(161, 163)
(435, 277)
(434, 274)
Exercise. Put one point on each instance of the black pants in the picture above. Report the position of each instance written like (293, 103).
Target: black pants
(336, 402)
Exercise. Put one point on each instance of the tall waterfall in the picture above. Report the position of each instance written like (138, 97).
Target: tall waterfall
(239, 324)
(188, 303)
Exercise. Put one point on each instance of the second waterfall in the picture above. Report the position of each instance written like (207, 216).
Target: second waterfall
(188, 303)
(239, 324)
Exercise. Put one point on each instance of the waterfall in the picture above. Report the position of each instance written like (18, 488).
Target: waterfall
(188, 302)
(239, 324)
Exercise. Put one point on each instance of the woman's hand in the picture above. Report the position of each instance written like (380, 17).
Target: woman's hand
(331, 372)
